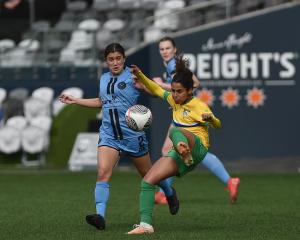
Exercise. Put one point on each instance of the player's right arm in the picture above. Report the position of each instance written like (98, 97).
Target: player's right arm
(153, 87)
(85, 102)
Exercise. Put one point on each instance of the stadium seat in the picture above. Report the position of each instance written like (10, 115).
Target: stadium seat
(34, 107)
(17, 122)
(10, 134)
(75, 91)
(58, 105)
(164, 17)
(35, 140)
(43, 93)
(103, 37)
(149, 4)
(3, 94)
(41, 26)
(6, 44)
(80, 40)
(10, 140)
(17, 57)
(114, 25)
(68, 55)
(128, 4)
(19, 93)
(12, 107)
(152, 34)
(68, 16)
(29, 45)
(76, 6)
(104, 5)
(44, 123)
(90, 25)
(67, 26)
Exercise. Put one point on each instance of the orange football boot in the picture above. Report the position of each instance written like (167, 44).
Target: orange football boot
(233, 188)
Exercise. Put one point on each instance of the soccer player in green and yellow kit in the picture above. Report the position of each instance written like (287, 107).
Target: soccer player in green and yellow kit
(190, 138)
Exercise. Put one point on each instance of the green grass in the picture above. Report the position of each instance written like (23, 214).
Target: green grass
(53, 204)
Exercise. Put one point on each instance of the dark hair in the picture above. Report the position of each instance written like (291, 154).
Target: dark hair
(168, 39)
(114, 47)
(183, 74)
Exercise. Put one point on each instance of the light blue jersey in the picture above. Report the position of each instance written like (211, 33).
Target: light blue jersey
(117, 94)
(170, 69)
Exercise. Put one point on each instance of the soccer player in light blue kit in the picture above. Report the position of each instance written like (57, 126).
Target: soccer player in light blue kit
(117, 93)
(167, 49)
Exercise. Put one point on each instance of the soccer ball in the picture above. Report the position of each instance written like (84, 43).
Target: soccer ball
(138, 117)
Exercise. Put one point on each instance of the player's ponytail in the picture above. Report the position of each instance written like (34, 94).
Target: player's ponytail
(183, 74)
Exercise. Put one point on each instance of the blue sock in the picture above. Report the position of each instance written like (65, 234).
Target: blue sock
(101, 197)
(216, 167)
(165, 186)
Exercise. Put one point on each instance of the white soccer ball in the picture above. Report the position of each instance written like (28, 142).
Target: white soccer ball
(138, 117)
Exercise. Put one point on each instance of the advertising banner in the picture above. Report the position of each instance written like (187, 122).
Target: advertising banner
(249, 71)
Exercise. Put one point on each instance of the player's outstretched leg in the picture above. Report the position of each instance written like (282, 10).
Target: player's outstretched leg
(184, 151)
(181, 145)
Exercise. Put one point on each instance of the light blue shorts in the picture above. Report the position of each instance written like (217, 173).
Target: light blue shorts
(136, 146)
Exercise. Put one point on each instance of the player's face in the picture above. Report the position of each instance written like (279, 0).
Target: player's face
(167, 50)
(179, 93)
(115, 62)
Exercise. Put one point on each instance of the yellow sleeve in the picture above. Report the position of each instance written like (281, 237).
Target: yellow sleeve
(215, 123)
(152, 86)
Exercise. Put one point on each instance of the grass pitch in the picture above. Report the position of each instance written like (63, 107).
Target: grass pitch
(53, 204)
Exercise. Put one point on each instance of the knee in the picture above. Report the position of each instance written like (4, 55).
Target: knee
(103, 175)
(148, 178)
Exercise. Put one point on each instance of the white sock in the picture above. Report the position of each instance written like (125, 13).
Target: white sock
(145, 225)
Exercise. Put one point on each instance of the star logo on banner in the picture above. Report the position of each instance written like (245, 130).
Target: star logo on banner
(206, 96)
(230, 97)
(255, 97)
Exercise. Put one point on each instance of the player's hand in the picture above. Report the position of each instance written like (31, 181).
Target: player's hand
(135, 69)
(207, 117)
(67, 99)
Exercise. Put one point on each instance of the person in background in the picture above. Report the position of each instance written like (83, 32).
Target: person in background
(189, 137)
(117, 93)
(168, 50)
